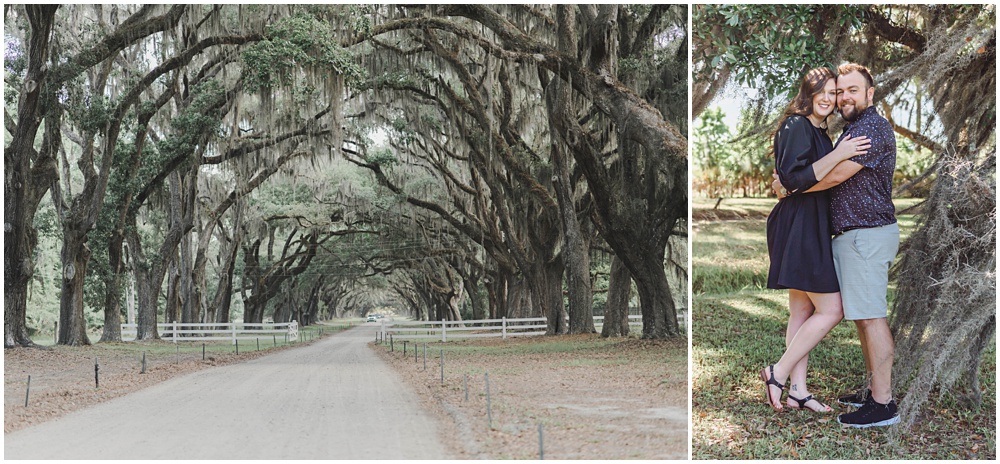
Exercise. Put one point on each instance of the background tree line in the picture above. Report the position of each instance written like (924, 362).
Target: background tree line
(206, 163)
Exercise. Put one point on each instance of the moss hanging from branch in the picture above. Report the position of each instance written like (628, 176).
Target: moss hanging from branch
(944, 315)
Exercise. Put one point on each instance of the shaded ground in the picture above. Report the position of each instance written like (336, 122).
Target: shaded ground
(738, 327)
(709, 215)
(596, 398)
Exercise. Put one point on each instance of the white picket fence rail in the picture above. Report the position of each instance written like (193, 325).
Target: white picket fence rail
(633, 319)
(503, 327)
(231, 331)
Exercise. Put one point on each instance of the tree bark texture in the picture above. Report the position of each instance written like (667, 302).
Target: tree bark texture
(72, 322)
(576, 253)
(28, 174)
(619, 292)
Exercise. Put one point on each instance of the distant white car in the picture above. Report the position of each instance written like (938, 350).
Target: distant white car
(372, 318)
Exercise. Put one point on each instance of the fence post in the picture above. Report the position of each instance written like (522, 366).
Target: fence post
(174, 334)
(489, 405)
(444, 331)
(504, 327)
(233, 332)
(541, 443)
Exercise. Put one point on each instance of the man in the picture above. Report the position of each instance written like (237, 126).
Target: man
(865, 243)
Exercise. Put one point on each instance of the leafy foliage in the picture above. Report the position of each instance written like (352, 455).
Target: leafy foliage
(788, 39)
(711, 145)
(301, 41)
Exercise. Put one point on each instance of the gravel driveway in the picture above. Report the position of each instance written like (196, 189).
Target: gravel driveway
(333, 399)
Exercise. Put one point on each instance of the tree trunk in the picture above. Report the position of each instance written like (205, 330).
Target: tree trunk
(112, 331)
(455, 300)
(146, 295)
(27, 176)
(520, 300)
(576, 250)
(150, 276)
(223, 299)
(549, 289)
(641, 195)
(171, 311)
(75, 256)
(312, 307)
(186, 286)
(19, 247)
(285, 310)
(200, 299)
(616, 310)
(655, 299)
(113, 291)
(472, 289)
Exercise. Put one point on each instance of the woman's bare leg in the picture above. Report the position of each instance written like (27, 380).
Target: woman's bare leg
(800, 309)
(827, 314)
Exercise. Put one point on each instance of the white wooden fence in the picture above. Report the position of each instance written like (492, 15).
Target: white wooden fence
(503, 328)
(464, 329)
(231, 331)
(633, 319)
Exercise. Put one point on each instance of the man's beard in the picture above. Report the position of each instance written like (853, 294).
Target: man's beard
(857, 110)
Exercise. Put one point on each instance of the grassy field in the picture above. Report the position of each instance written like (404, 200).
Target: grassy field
(738, 327)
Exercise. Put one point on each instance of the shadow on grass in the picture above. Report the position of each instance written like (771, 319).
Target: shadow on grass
(735, 335)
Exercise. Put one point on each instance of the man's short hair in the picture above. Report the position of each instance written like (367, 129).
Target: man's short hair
(848, 68)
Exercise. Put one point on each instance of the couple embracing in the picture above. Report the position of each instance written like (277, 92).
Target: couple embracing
(832, 237)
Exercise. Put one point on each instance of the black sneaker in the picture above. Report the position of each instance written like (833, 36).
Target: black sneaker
(856, 399)
(871, 414)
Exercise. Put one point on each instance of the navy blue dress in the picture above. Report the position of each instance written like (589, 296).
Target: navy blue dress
(798, 228)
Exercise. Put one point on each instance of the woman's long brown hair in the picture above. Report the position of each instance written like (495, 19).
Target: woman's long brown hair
(812, 83)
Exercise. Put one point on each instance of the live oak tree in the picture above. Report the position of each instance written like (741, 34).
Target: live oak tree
(28, 169)
(164, 130)
(511, 51)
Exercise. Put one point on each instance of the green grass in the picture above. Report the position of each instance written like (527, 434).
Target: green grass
(744, 206)
(735, 335)
(738, 327)
(571, 351)
(540, 345)
(731, 256)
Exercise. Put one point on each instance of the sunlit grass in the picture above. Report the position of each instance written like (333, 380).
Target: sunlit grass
(738, 328)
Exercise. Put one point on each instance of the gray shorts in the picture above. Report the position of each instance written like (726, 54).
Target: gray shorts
(862, 258)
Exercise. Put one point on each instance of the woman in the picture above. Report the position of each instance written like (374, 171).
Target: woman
(798, 235)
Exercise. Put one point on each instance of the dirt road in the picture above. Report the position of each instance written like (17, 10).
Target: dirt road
(333, 399)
